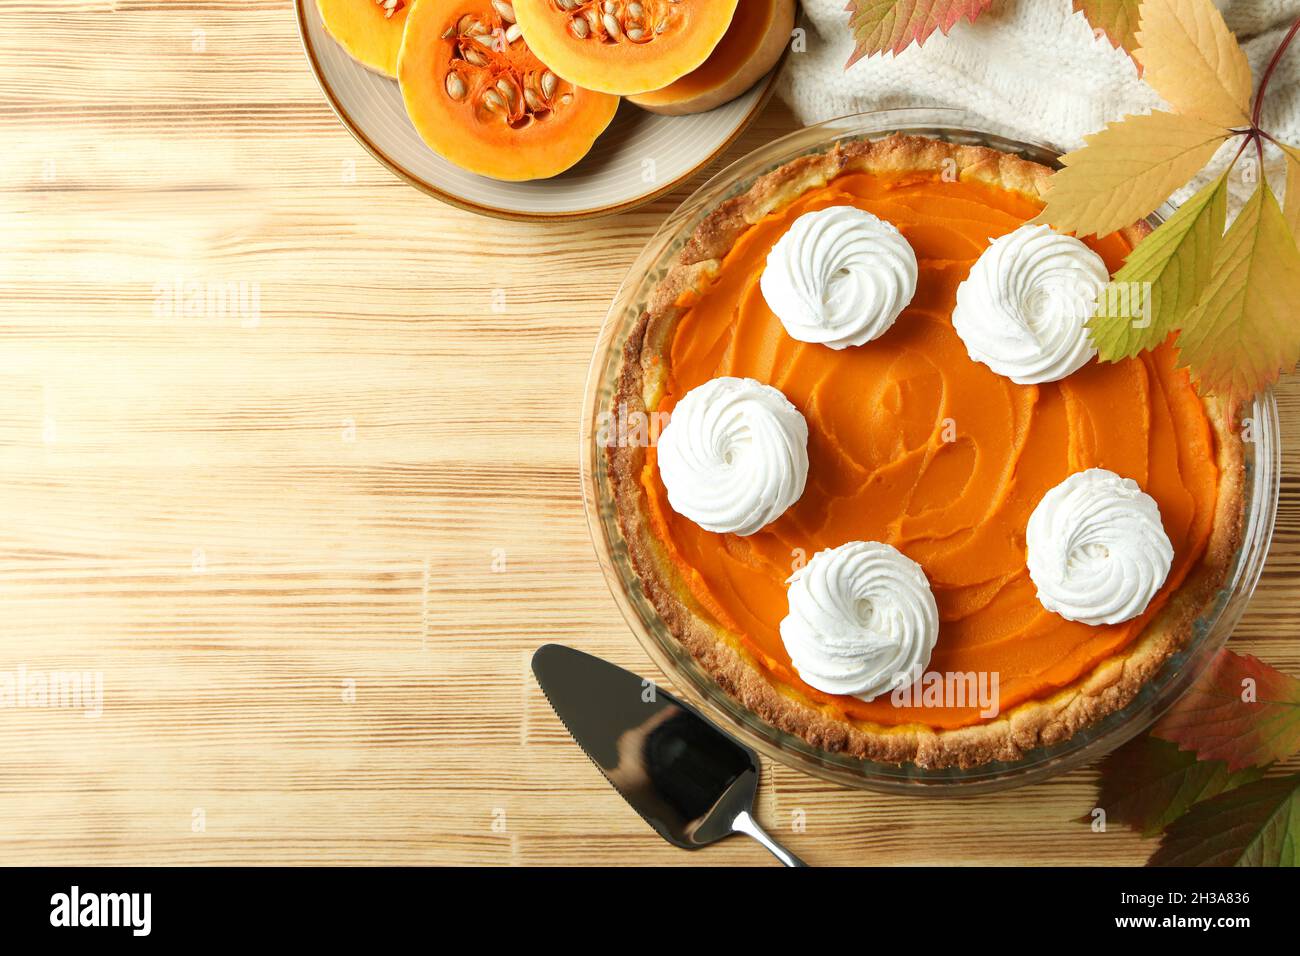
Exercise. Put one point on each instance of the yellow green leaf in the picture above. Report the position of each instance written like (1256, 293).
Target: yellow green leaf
(1126, 170)
(1117, 20)
(1190, 57)
(1291, 206)
(1243, 331)
(1162, 278)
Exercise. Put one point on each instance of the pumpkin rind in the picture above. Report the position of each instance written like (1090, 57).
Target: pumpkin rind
(624, 47)
(485, 102)
(752, 45)
(365, 30)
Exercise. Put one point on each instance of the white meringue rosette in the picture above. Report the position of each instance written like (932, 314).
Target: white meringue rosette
(1097, 550)
(839, 277)
(862, 622)
(1024, 308)
(734, 455)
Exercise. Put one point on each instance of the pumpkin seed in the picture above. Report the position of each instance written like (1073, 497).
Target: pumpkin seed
(611, 26)
(456, 88)
(579, 28)
(508, 91)
(549, 82)
(504, 10)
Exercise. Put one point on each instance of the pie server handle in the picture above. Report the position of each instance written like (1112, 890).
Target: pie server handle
(746, 824)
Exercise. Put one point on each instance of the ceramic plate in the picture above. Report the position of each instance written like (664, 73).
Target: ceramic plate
(639, 157)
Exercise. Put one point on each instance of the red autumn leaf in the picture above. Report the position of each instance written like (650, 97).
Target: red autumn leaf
(1149, 783)
(891, 26)
(1240, 711)
(1256, 824)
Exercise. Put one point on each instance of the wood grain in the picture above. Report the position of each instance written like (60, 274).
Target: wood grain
(311, 553)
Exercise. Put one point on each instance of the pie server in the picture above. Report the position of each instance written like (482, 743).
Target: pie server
(690, 781)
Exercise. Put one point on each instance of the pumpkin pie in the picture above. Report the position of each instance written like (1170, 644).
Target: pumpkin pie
(922, 455)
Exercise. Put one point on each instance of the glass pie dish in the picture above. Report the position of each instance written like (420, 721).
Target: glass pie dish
(1212, 628)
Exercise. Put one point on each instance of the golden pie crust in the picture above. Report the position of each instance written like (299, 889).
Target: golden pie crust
(1034, 723)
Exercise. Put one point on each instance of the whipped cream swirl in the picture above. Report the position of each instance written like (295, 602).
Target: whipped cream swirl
(839, 276)
(1098, 552)
(734, 455)
(1024, 308)
(862, 620)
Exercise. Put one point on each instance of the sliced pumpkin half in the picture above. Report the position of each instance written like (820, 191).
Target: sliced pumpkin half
(623, 47)
(369, 30)
(481, 99)
(752, 45)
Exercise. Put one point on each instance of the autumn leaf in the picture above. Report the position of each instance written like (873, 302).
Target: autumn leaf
(1291, 207)
(1256, 824)
(1126, 170)
(1117, 19)
(1170, 269)
(1190, 57)
(1149, 783)
(1213, 720)
(891, 26)
(1243, 330)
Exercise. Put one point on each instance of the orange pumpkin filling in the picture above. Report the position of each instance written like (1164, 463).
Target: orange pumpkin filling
(912, 443)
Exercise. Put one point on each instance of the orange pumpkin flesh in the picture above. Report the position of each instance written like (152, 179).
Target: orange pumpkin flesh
(368, 30)
(623, 47)
(483, 101)
(752, 45)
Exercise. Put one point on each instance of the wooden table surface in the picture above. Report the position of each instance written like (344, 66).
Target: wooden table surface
(311, 548)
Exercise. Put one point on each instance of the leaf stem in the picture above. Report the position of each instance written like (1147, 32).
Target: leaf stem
(1268, 73)
(1249, 136)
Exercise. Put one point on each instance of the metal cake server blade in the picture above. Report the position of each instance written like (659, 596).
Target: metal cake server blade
(690, 781)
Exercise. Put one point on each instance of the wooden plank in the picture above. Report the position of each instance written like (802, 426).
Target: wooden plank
(310, 548)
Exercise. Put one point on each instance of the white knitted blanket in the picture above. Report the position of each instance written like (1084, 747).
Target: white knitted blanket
(1033, 68)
